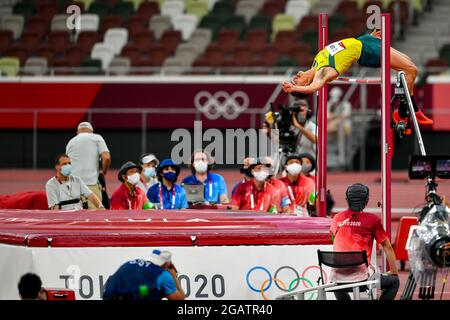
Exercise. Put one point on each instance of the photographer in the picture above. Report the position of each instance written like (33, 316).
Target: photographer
(307, 138)
(152, 279)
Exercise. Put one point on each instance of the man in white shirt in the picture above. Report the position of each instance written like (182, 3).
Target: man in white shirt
(307, 138)
(65, 187)
(85, 150)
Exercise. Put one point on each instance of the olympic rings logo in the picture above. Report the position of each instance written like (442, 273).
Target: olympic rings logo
(221, 104)
(293, 281)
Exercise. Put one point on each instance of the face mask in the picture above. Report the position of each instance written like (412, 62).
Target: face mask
(133, 179)
(261, 175)
(149, 172)
(170, 175)
(66, 170)
(200, 166)
(294, 169)
(306, 168)
(301, 119)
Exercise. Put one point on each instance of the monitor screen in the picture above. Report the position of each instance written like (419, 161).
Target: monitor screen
(443, 168)
(420, 167)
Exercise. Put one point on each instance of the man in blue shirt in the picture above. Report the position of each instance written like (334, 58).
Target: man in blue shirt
(215, 186)
(167, 193)
(139, 279)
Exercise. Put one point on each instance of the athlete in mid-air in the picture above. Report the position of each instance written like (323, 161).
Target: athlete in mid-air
(337, 58)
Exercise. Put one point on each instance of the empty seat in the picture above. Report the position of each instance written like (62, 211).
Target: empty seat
(131, 52)
(257, 38)
(170, 40)
(47, 52)
(9, 66)
(159, 24)
(136, 3)
(109, 22)
(148, 9)
(198, 8)
(348, 8)
(104, 52)
(59, 40)
(120, 66)
(91, 66)
(35, 66)
(261, 22)
(157, 56)
(86, 3)
(247, 9)
(297, 9)
(59, 23)
(285, 40)
(188, 52)
(144, 40)
(272, 7)
(5, 11)
(15, 23)
(75, 55)
(173, 9)
(19, 51)
(31, 40)
(201, 38)
(48, 10)
(123, 9)
(87, 39)
(215, 53)
(228, 39)
(242, 54)
(235, 23)
(38, 24)
(270, 54)
(117, 37)
(186, 24)
(213, 23)
(89, 22)
(136, 24)
(340, 34)
(98, 8)
(308, 23)
(283, 22)
(6, 40)
(24, 8)
(311, 38)
(336, 21)
(175, 65)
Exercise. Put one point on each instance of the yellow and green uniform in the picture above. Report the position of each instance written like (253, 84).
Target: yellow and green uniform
(340, 55)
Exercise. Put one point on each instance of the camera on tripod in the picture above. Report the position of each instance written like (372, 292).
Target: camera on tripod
(287, 132)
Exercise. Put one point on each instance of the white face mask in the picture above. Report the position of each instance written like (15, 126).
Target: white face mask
(133, 179)
(294, 169)
(200, 166)
(261, 176)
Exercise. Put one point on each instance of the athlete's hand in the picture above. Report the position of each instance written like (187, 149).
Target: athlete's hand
(376, 34)
(288, 86)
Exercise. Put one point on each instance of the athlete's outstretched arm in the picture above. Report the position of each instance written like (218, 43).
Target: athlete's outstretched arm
(321, 78)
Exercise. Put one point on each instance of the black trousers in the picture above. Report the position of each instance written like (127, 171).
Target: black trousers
(389, 286)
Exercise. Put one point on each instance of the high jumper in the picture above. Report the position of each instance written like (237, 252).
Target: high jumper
(336, 58)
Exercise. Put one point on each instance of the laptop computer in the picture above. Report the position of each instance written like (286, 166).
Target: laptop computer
(195, 193)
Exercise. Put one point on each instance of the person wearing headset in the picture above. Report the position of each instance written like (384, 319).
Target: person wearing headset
(307, 138)
(355, 230)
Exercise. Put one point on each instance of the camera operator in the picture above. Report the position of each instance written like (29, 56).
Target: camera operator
(307, 138)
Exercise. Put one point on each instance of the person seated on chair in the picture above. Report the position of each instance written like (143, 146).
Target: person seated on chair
(355, 230)
(30, 287)
(167, 194)
(149, 163)
(215, 186)
(247, 175)
(336, 58)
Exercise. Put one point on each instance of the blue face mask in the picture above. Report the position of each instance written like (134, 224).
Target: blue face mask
(149, 172)
(66, 170)
(170, 175)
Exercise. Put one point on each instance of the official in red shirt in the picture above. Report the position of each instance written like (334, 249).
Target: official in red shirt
(355, 230)
(257, 194)
(298, 187)
(308, 165)
(129, 196)
(276, 183)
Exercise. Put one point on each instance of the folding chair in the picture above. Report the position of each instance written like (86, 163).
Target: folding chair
(338, 260)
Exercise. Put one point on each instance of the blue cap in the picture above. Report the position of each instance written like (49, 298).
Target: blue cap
(168, 163)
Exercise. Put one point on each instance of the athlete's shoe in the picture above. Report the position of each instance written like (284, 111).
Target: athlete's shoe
(397, 118)
(422, 119)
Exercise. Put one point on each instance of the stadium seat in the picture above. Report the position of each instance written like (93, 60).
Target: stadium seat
(91, 66)
(104, 52)
(87, 39)
(175, 65)
(186, 23)
(223, 8)
(340, 34)
(336, 21)
(308, 23)
(228, 39)
(242, 54)
(286, 61)
(285, 40)
(143, 41)
(261, 22)
(159, 24)
(310, 38)
(6, 40)
(348, 8)
(297, 8)
(201, 38)
(188, 52)
(25, 9)
(247, 9)
(257, 38)
(46, 51)
(89, 22)
(86, 3)
(15, 23)
(75, 55)
(211, 4)
(117, 37)
(270, 54)
(214, 54)
(170, 40)
(59, 23)
(444, 52)
(273, 7)
(235, 23)
(157, 56)
(19, 51)
(48, 10)
(98, 8)
(9, 66)
(5, 11)
(136, 3)
(198, 8)
(123, 9)
(213, 23)
(147, 9)
(357, 25)
(131, 52)
(302, 56)
(38, 24)
(109, 22)
(35, 66)
(120, 66)
(173, 9)
(282, 22)
(136, 24)
(59, 40)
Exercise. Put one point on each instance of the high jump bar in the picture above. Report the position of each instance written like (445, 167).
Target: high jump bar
(386, 133)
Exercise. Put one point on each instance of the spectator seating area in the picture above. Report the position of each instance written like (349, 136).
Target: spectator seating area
(116, 36)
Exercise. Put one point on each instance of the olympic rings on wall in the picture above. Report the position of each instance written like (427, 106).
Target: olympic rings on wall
(222, 104)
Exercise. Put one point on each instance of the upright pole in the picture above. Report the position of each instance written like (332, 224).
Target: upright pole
(386, 137)
(322, 127)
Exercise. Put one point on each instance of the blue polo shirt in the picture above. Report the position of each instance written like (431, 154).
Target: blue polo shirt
(125, 282)
(174, 198)
(215, 186)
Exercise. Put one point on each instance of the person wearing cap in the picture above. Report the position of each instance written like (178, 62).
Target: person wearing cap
(129, 196)
(299, 188)
(215, 186)
(276, 183)
(151, 279)
(65, 191)
(167, 194)
(257, 194)
(308, 166)
(246, 174)
(149, 163)
(85, 150)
